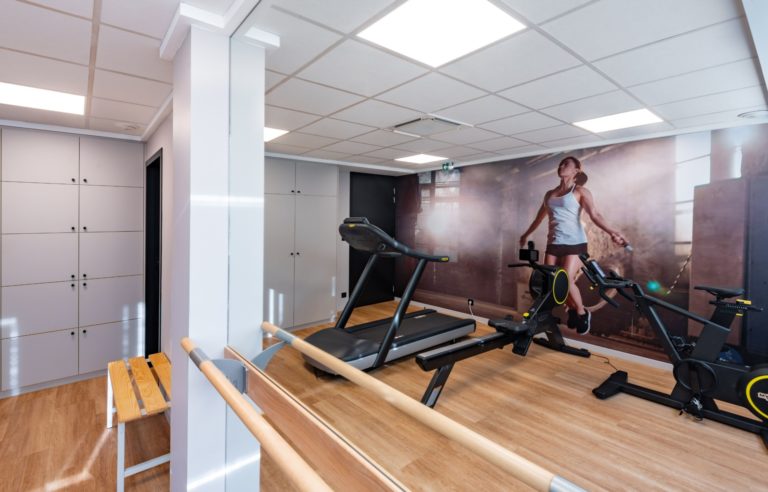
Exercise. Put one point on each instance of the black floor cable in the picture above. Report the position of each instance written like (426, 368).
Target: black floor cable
(607, 361)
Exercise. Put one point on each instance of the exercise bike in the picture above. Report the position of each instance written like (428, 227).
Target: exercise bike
(702, 376)
(549, 285)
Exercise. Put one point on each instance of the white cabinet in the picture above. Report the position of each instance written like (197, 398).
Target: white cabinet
(286, 177)
(38, 258)
(39, 157)
(110, 162)
(110, 208)
(35, 208)
(315, 264)
(112, 341)
(38, 308)
(111, 254)
(111, 299)
(38, 358)
(279, 252)
(300, 242)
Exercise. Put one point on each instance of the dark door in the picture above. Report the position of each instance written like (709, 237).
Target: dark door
(152, 249)
(372, 196)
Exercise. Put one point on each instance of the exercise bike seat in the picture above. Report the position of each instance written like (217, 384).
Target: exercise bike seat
(720, 292)
(509, 326)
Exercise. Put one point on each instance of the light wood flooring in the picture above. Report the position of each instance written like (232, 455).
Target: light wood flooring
(540, 406)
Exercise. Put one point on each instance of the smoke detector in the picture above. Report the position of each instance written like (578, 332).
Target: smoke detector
(427, 125)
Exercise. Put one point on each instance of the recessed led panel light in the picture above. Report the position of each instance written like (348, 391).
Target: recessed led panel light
(31, 97)
(421, 159)
(273, 133)
(620, 120)
(438, 31)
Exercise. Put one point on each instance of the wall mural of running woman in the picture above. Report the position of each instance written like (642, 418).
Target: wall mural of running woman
(647, 194)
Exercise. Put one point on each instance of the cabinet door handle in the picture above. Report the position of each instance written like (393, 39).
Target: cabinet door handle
(291, 253)
(298, 254)
(73, 228)
(72, 333)
(293, 191)
(298, 191)
(73, 285)
(85, 331)
(84, 284)
(85, 228)
(73, 275)
(85, 275)
(74, 180)
(85, 180)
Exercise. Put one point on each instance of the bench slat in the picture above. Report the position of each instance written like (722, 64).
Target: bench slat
(163, 369)
(125, 400)
(145, 381)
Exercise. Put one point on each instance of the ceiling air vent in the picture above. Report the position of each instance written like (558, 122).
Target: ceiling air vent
(427, 125)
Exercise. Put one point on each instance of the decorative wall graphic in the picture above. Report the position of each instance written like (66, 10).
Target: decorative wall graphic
(476, 215)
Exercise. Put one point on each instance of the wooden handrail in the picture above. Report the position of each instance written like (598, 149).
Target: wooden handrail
(286, 458)
(525, 470)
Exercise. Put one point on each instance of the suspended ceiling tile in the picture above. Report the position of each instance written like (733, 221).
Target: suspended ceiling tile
(486, 108)
(431, 93)
(594, 107)
(482, 156)
(134, 15)
(389, 154)
(286, 119)
(579, 141)
(132, 54)
(523, 57)
(464, 135)
(43, 73)
(114, 126)
(348, 147)
(569, 85)
(377, 114)
(284, 148)
(327, 12)
(723, 117)
(521, 123)
(119, 87)
(713, 103)
(326, 154)
(40, 116)
(497, 144)
(33, 29)
(539, 11)
(423, 145)
(723, 43)
(300, 41)
(607, 27)
(458, 152)
(731, 76)
(273, 78)
(383, 138)
(359, 68)
(82, 8)
(342, 130)
(512, 152)
(551, 133)
(362, 159)
(313, 98)
(115, 110)
(637, 131)
(304, 140)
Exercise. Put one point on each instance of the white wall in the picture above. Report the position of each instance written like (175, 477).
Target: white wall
(162, 138)
(342, 248)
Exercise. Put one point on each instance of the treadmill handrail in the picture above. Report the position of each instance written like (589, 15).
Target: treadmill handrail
(386, 242)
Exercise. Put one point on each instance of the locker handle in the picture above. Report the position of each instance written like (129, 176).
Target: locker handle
(85, 228)
(84, 284)
(85, 180)
(73, 275)
(72, 333)
(73, 228)
(85, 275)
(85, 331)
(298, 254)
(72, 285)
(293, 191)
(298, 191)
(74, 180)
(291, 253)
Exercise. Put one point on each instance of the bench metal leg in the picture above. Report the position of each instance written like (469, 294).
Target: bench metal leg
(110, 402)
(120, 456)
(146, 465)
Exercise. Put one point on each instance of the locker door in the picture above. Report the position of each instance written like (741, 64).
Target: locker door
(279, 176)
(38, 358)
(39, 157)
(38, 258)
(317, 179)
(101, 344)
(33, 207)
(315, 277)
(111, 254)
(105, 161)
(109, 209)
(108, 300)
(278, 259)
(38, 308)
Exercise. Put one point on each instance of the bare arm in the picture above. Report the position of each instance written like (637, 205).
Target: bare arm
(540, 216)
(588, 204)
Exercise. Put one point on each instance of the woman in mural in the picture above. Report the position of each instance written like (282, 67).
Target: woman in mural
(567, 239)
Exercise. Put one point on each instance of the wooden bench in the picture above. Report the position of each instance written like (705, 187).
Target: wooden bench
(133, 393)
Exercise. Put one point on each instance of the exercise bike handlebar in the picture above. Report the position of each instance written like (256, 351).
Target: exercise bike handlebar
(597, 277)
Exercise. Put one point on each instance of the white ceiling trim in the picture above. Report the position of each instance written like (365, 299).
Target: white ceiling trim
(163, 111)
(350, 164)
(757, 18)
(68, 129)
(186, 15)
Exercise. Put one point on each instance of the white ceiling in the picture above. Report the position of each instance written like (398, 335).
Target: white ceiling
(692, 62)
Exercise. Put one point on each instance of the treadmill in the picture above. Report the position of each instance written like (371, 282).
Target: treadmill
(371, 345)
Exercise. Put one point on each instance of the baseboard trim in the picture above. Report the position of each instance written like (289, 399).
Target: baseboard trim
(51, 384)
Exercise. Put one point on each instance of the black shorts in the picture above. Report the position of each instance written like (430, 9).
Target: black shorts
(560, 250)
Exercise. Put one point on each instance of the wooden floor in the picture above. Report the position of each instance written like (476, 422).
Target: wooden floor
(540, 406)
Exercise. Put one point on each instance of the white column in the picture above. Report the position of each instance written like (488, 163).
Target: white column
(199, 259)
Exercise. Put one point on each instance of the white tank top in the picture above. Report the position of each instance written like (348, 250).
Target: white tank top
(565, 225)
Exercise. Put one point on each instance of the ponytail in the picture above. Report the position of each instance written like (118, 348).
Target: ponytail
(581, 178)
